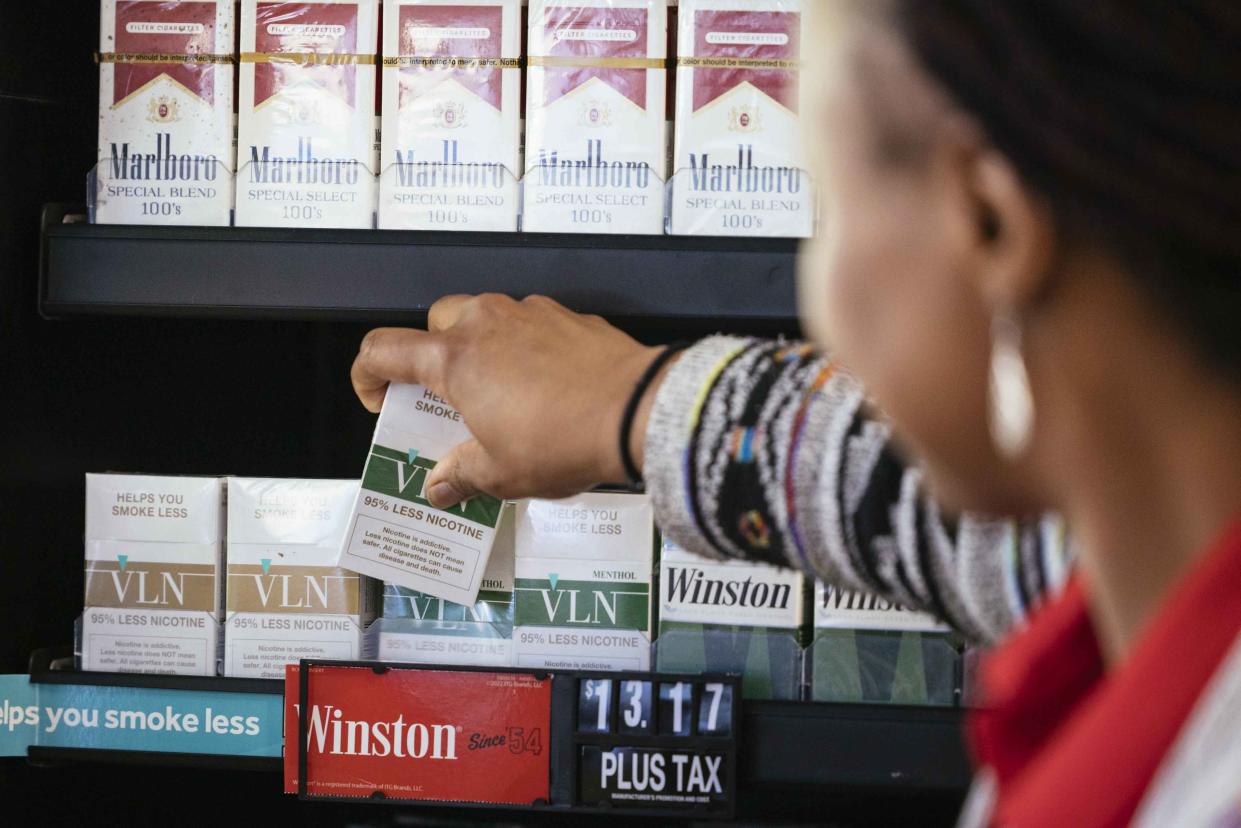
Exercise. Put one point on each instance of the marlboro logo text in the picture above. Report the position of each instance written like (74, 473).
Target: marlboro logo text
(162, 165)
(303, 168)
(592, 171)
(743, 176)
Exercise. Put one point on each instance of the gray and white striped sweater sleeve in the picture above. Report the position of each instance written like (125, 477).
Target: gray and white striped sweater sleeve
(765, 450)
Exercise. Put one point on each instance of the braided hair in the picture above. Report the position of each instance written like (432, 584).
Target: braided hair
(1126, 116)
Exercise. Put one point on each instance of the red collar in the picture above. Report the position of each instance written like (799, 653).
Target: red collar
(1071, 745)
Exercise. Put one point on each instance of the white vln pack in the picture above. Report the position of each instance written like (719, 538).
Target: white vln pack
(451, 115)
(394, 533)
(285, 597)
(585, 573)
(165, 113)
(306, 139)
(153, 586)
(595, 117)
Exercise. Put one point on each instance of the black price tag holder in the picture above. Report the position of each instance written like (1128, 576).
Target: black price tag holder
(647, 744)
(637, 744)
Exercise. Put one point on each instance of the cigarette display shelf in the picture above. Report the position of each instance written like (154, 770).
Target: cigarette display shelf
(49, 668)
(687, 283)
(788, 752)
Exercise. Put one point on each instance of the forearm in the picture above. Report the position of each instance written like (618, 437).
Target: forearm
(766, 451)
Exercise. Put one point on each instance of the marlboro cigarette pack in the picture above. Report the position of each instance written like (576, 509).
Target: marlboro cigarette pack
(306, 132)
(595, 109)
(452, 101)
(739, 163)
(153, 550)
(394, 533)
(165, 113)
(584, 583)
(869, 649)
(422, 629)
(285, 597)
(733, 617)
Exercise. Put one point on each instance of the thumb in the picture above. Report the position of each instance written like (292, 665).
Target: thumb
(460, 475)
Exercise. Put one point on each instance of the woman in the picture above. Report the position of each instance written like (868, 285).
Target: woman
(1031, 256)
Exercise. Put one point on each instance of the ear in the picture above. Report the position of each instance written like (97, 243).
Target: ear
(1005, 233)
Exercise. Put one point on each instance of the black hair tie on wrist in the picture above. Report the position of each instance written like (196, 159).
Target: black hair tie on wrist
(631, 408)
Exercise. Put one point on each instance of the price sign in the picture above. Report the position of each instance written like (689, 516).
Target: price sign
(420, 734)
(656, 742)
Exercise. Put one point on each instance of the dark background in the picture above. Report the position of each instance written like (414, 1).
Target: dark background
(146, 395)
(170, 396)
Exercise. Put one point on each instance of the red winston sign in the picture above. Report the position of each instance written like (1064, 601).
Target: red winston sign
(421, 734)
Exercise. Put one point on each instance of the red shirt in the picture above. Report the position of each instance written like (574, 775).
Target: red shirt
(1071, 744)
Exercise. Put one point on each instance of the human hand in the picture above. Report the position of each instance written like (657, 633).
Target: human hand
(541, 388)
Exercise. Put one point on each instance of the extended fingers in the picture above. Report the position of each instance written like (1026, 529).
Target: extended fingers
(395, 355)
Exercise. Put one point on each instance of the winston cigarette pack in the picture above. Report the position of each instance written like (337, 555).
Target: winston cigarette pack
(394, 534)
(595, 110)
(152, 574)
(739, 163)
(306, 133)
(285, 597)
(419, 628)
(582, 598)
(732, 617)
(165, 113)
(869, 649)
(451, 109)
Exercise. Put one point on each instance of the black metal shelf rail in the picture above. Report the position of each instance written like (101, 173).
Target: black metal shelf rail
(690, 283)
(806, 747)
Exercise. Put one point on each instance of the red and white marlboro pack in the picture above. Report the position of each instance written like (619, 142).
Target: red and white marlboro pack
(165, 113)
(307, 116)
(739, 164)
(452, 101)
(595, 108)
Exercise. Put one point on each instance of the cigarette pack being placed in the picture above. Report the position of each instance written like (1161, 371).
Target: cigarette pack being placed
(739, 164)
(307, 120)
(153, 587)
(584, 581)
(421, 629)
(395, 534)
(595, 116)
(869, 649)
(285, 597)
(165, 113)
(732, 617)
(452, 102)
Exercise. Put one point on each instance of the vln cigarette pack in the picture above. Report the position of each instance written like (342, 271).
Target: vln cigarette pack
(739, 164)
(595, 108)
(584, 583)
(307, 120)
(165, 113)
(452, 101)
(395, 534)
(153, 550)
(867, 648)
(732, 617)
(422, 629)
(285, 597)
